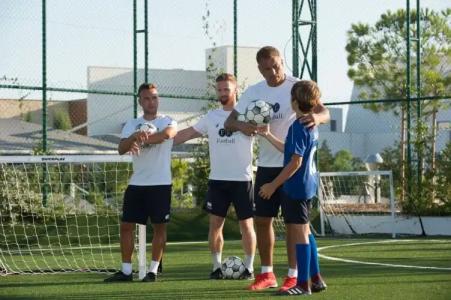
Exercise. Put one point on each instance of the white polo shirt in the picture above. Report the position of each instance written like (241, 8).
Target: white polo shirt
(230, 153)
(280, 98)
(153, 164)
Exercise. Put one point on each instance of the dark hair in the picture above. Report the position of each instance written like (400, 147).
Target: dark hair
(306, 93)
(146, 86)
(226, 77)
(266, 53)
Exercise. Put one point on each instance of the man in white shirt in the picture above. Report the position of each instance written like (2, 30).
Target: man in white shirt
(148, 194)
(230, 179)
(276, 90)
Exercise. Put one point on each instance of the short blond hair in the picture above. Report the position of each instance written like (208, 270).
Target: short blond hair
(307, 95)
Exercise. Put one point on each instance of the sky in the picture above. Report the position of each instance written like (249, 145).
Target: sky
(99, 33)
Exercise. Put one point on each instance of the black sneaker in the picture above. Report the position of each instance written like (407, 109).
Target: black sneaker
(150, 277)
(216, 274)
(295, 291)
(319, 286)
(119, 277)
(247, 275)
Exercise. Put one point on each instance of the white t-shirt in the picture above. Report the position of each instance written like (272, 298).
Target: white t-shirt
(230, 153)
(280, 98)
(153, 164)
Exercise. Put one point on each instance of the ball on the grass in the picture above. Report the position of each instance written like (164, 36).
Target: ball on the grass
(233, 267)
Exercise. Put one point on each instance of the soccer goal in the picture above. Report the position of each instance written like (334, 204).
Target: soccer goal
(357, 203)
(62, 213)
(353, 203)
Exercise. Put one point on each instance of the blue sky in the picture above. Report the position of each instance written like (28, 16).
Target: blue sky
(99, 33)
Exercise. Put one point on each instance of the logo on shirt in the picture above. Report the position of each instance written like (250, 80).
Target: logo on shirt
(276, 107)
(225, 132)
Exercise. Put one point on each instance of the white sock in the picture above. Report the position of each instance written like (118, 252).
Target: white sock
(266, 269)
(153, 268)
(249, 262)
(292, 272)
(126, 268)
(216, 258)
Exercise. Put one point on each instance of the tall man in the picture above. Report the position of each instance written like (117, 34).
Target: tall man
(148, 194)
(230, 179)
(275, 89)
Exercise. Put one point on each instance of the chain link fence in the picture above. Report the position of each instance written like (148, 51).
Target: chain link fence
(89, 62)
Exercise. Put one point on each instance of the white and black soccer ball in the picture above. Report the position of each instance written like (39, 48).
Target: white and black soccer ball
(147, 127)
(259, 112)
(232, 267)
(242, 118)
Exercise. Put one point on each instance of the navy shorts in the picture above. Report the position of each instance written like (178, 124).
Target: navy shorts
(269, 207)
(222, 193)
(296, 211)
(144, 202)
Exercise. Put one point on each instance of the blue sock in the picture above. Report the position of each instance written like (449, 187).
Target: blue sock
(314, 263)
(303, 263)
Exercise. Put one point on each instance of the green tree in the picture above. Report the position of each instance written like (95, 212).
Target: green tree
(61, 120)
(325, 158)
(377, 64)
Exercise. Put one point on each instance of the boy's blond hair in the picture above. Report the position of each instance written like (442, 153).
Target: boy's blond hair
(306, 94)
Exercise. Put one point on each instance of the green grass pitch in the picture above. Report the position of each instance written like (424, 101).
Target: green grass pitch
(186, 269)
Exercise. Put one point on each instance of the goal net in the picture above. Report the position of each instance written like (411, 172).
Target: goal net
(353, 203)
(357, 203)
(61, 213)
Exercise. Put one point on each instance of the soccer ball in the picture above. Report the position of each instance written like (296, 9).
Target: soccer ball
(259, 112)
(232, 267)
(148, 127)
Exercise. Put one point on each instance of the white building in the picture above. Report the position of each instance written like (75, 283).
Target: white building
(352, 127)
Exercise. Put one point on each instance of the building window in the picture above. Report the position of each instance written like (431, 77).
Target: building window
(333, 125)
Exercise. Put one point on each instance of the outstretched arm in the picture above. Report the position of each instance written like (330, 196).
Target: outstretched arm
(319, 115)
(186, 135)
(265, 132)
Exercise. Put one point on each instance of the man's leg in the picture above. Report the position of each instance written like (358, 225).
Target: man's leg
(265, 244)
(158, 245)
(127, 244)
(216, 243)
(265, 241)
(248, 240)
(127, 241)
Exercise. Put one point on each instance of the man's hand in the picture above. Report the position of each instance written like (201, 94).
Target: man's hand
(267, 190)
(248, 128)
(310, 120)
(263, 130)
(135, 148)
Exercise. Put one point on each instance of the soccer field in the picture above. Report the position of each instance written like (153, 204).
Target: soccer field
(353, 269)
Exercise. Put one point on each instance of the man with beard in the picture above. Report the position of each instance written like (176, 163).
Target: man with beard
(230, 179)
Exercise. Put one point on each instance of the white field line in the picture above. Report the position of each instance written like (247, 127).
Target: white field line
(380, 264)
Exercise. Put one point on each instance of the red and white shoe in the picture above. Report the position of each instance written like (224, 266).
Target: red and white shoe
(264, 281)
(288, 283)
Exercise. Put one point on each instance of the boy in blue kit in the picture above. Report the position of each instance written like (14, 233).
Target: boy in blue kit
(300, 181)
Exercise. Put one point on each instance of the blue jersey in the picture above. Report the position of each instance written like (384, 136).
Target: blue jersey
(303, 142)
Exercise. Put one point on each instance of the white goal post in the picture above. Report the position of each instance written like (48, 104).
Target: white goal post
(361, 202)
(62, 213)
